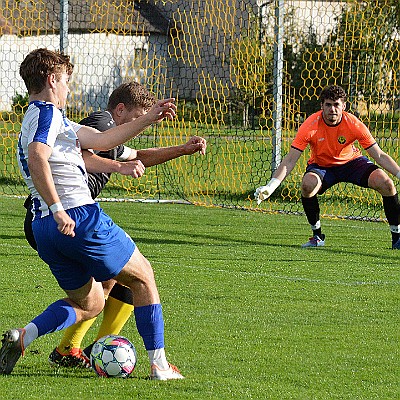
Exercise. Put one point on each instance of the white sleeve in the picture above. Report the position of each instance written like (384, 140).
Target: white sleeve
(125, 154)
(75, 125)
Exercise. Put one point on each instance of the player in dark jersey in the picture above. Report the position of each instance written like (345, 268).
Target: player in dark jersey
(126, 103)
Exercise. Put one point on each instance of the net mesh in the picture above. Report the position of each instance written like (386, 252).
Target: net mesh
(221, 61)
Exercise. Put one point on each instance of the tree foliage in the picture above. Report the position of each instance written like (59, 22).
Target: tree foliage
(362, 54)
(366, 40)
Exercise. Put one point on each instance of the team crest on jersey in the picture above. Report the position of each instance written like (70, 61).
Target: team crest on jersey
(341, 139)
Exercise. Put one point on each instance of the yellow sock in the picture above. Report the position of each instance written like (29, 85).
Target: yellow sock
(74, 335)
(115, 315)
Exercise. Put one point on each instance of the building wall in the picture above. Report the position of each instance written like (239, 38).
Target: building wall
(101, 62)
(206, 33)
(209, 30)
(195, 62)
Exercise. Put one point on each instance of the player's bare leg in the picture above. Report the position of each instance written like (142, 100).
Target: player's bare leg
(68, 352)
(83, 303)
(117, 311)
(138, 275)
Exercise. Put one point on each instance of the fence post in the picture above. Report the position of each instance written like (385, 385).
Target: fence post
(63, 25)
(277, 85)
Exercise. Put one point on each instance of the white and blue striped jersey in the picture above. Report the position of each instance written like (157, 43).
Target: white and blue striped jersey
(44, 123)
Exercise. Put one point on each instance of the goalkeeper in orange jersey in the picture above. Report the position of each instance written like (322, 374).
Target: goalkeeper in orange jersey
(126, 103)
(331, 133)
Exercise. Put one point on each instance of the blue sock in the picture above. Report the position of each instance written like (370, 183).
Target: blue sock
(57, 316)
(150, 325)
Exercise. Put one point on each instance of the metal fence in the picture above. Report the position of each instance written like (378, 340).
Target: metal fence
(245, 75)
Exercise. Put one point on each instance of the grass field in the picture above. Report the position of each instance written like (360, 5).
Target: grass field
(248, 313)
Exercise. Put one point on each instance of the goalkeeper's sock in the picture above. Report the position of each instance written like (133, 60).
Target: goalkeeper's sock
(311, 209)
(318, 233)
(316, 229)
(73, 336)
(391, 207)
(115, 315)
(395, 233)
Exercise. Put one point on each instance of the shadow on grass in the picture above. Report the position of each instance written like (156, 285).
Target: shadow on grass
(240, 241)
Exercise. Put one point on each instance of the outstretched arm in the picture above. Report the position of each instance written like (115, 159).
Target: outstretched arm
(159, 155)
(384, 160)
(91, 138)
(96, 164)
(284, 169)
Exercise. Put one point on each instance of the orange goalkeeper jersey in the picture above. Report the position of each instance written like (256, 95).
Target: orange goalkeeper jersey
(332, 145)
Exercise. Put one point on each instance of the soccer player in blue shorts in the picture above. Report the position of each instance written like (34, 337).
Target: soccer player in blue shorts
(81, 244)
(127, 102)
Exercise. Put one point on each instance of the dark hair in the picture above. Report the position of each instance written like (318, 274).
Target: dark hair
(39, 64)
(132, 94)
(332, 92)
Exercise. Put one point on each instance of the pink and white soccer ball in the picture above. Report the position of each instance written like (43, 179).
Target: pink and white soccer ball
(113, 356)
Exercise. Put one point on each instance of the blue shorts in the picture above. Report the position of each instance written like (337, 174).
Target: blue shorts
(100, 248)
(356, 171)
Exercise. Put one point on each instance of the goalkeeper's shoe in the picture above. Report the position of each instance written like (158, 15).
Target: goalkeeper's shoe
(315, 241)
(396, 245)
(73, 359)
(159, 374)
(11, 350)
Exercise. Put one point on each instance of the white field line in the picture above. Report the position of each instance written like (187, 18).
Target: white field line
(285, 277)
(259, 274)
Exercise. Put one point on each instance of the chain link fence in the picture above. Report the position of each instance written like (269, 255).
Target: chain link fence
(245, 75)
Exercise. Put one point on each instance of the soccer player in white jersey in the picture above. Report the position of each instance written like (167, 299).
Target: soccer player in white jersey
(126, 103)
(79, 242)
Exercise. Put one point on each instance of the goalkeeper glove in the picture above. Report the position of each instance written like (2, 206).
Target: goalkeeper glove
(263, 192)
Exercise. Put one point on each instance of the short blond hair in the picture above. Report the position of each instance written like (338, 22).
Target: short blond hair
(131, 94)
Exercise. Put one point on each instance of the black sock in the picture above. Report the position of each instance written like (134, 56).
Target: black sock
(311, 209)
(317, 232)
(122, 293)
(391, 207)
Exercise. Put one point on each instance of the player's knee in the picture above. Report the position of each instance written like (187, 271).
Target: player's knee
(89, 312)
(147, 272)
(137, 270)
(95, 309)
(381, 182)
(108, 286)
(310, 184)
(147, 266)
(388, 188)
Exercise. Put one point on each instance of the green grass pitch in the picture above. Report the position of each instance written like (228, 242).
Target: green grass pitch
(248, 313)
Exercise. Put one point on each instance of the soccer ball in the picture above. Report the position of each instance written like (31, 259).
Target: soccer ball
(113, 356)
